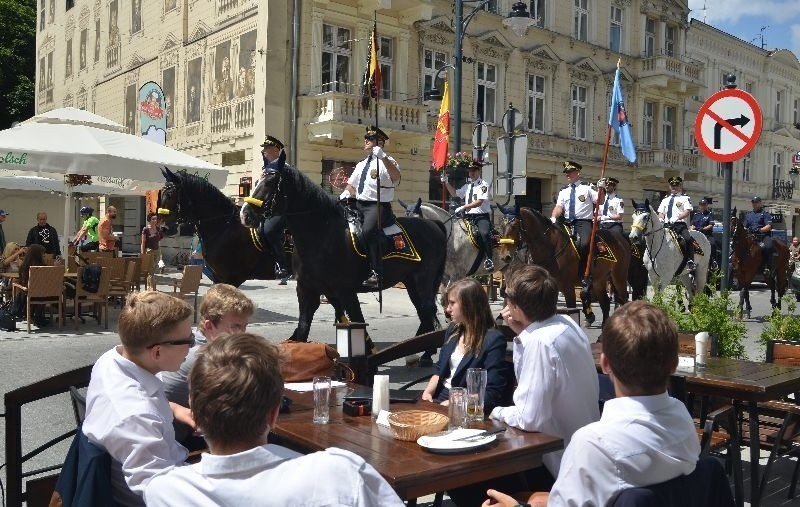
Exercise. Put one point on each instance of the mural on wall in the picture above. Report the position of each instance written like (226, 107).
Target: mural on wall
(68, 66)
(52, 11)
(246, 75)
(82, 51)
(136, 16)
(170, 5)
(113, 26)
(130, 108)
(50, 76)
(42, 71)
(193, 89)
(168, 82)
(97, 40)
(152, 113)
(223, 81)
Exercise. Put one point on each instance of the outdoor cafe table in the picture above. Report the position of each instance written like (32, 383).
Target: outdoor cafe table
(411, 470)
(741, 381)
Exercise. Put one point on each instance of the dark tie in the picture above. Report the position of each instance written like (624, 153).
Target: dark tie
(572, 202)
(364, 174)
(471, 187)
(669, 207)
(605, 205)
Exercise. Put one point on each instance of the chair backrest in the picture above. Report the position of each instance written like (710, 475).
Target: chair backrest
(102, 289)
(78, 404)
(116, 265)
(706, 485)
(45, 281)
(686, 343)
(783, 352)
(190, 282)
(49, 259)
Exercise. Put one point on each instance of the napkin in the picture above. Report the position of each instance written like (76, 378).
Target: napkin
(303, 387)
(383, 418)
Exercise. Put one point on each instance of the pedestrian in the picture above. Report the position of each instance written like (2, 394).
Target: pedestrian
(44, 234)
(575, 202)
(34, 256)
(3, 215)
(151, 236)
(273, 227)
(88, 230)
(794, 253)
(675, 210)
(105, 231)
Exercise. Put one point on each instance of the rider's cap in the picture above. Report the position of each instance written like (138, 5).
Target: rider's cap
(611, 179)
(675, 180)
(570, 166)
(374, 133)
(87, 210)
(703, 201)
(755, 199)
(271, 141)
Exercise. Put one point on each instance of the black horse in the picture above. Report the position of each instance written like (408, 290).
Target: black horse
(325, 260)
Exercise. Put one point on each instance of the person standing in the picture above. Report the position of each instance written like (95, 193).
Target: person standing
(105, 231)
(575, 202)
(88, 230)
(377, 169)
(758, 222)
(703, 221)
(794, 253)
(272, 228)
(44, 234)
(476, 194)
(151, 236)
(3, 215)
(613, 207)
(675, 210)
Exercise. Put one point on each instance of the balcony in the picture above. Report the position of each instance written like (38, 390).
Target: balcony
(672, 74)
(233, 116)
(113, 56)
(654, 162)
(330, 113)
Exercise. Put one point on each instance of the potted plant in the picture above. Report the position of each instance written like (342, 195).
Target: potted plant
(782, 326)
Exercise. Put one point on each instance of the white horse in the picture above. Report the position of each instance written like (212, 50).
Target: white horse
(664, 256)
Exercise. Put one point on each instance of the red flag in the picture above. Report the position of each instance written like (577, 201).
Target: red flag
(442, 135)
(371, 86)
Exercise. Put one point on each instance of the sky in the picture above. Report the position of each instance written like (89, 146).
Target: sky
(745, 18)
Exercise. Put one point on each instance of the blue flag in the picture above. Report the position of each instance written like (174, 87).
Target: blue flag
(618, 119)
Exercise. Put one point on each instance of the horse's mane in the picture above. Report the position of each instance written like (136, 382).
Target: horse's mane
(545, 222)
(311, 194)
(206, 194)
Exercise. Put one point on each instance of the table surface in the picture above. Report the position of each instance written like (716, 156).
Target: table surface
(408, 468)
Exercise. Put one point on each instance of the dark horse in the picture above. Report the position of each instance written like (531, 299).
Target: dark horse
(549, 246)
(325, 260)
(748, 259)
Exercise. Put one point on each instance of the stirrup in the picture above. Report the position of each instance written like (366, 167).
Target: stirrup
(372, 281)
(691, 266)
(488, 265)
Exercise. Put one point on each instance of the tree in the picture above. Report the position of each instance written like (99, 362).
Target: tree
(17, 60)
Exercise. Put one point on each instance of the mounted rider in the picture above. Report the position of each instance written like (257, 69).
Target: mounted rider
(759, 223)
(613, 207)
(476, 193)
(703, 221)
(273, 227)
(576, 203)
(365, 190)
(674, 211)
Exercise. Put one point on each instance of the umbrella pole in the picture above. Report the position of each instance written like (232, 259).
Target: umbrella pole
(65, 234)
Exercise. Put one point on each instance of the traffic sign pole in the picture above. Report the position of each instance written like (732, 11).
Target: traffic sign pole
(726, 226)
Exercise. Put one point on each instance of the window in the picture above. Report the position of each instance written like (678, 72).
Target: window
(647, 124)
(778, 99)
(579, 95)
(580, 29)
(668, 127)
(42, 16)
(491, 6)
(615, 30)
(649, 38)
(776, 166)
(669, 40)
(748, 87)
(537, 11)
(42, 73)
(746, 167)
(432, 61)
(487, 89)
(336, 54)
(385, 56)
(536, 96)
(68, 64)
(795, 116)
(70, 4)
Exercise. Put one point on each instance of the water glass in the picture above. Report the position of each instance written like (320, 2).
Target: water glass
(700, 349)
(457, 410)
(476, 393)
(322, 396)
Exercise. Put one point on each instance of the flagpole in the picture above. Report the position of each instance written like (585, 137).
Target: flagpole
(373, 42)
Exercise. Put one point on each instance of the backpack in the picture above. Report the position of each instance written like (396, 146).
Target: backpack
(7, 320)
(90, 279)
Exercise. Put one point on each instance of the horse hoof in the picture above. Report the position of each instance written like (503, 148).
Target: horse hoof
(590, 318)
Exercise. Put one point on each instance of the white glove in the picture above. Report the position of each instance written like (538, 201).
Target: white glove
(459, 209)
(601, 183)
(344, 195)
(377, 152)
(443, 176)
(553, 219)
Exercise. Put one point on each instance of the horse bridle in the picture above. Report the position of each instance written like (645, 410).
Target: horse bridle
(178, 212)
(269, 210)
(518, 242)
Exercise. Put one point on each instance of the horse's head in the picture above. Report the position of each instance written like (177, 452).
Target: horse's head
(264, 199)
(412, 210)
(641, 218)
(169, 203)
(510, 238)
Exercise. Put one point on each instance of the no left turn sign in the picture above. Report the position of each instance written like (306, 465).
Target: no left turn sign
(728, 125)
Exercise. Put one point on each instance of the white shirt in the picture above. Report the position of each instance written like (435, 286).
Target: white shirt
(479, 189)
(585, 198)
(128, 415)
(455, 359)
(557, 390)
(639, 441)
(370, 190)
(616, 206)
(273, 476)
(176, 383)
(680, 204)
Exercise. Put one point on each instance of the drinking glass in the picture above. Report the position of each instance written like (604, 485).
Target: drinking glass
(476, 392)
(457, 410)
(322, 396)
(700, 348)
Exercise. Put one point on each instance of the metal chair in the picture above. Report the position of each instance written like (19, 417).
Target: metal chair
(45, 287)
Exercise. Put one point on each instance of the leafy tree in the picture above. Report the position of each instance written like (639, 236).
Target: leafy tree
(17, 60)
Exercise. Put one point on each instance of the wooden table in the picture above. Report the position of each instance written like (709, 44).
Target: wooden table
(742, 381)
(408, 468)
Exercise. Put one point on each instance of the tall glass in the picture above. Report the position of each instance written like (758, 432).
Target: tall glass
(322, 396)
(476, 392)
(457, 409)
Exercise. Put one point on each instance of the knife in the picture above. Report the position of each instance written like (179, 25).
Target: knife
(483, 434)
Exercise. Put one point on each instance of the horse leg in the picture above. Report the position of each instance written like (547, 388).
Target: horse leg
(603, 300)
(425, 304)
(308, 303)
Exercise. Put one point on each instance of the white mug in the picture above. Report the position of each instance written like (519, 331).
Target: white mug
(700, 348)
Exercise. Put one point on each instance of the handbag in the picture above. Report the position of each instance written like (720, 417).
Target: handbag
(7, 320)
(302, 361)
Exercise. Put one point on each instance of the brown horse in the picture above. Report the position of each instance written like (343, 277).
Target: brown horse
(538, 241)
(748, 259)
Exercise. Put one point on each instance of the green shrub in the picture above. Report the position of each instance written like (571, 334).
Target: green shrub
(782, 326)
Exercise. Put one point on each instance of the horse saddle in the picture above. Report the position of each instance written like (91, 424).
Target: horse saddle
(682, 244)
(472, 233)
(602, 250)
(396, 242)
(259, 240)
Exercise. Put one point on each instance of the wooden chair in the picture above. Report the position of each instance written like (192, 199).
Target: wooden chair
(45, 287)
(98, 299)
(119, 286)
(146, 270)
(49, 259)
(188, 285)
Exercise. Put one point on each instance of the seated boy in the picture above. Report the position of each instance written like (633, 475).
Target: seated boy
(224, 310)
(127, 413)
(644, 436)
(235, 389)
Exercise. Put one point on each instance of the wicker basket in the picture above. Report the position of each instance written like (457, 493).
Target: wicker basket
(412, 424)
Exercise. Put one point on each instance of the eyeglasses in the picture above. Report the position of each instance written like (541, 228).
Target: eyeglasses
(190, 341)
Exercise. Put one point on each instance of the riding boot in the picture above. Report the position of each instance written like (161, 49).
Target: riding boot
(690, 265)
(373, 280)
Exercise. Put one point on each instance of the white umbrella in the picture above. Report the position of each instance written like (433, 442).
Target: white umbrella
(37, 183)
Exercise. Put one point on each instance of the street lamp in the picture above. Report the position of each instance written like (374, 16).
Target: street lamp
(518, 20)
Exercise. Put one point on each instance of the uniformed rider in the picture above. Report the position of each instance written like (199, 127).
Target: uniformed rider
(576, 203)
(476, 194)
(363, 185)
(703, 221)
(759, 223)
(674, 211)
(273, 227)
(612, 208)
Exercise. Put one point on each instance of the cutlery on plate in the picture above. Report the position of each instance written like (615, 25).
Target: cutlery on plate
(481, 435)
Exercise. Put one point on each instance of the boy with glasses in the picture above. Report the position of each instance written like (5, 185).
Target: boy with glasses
(127, 413)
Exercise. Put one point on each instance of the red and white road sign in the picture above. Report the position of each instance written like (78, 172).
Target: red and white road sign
(728, 125)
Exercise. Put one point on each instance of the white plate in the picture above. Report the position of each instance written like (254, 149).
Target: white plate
(445, 441)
